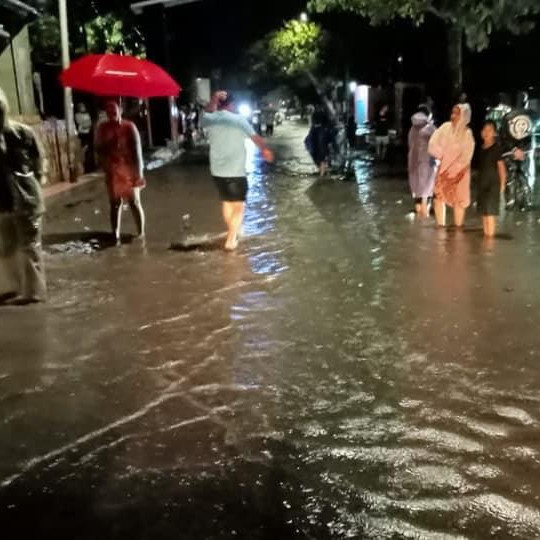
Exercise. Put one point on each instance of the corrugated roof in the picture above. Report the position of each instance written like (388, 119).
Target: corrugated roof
(138, 7)
(20, 8)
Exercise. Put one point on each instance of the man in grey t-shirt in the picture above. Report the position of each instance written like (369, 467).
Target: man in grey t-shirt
(227, 132)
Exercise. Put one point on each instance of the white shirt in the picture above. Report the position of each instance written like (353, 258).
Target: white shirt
(227, 133)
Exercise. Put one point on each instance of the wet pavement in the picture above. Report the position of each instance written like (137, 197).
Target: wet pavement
(349, 373)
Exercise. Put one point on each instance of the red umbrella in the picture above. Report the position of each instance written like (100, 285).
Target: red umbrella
(116, 75)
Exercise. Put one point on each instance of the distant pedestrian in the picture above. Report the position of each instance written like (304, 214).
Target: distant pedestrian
(269, 119)
(318, 140)
(421, 164)
(118, 145)
(83, 121)
(21, 208)
(227, 133)
(351, 131)
(382, 132)
(453, 146)
(492, 177)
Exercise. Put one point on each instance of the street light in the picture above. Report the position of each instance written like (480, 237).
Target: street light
(304, 17)
(353, 85)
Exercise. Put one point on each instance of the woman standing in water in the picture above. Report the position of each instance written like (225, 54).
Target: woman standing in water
(453, 146)
(118, 145)
(421, 165)
(318, 140)
(491, 178)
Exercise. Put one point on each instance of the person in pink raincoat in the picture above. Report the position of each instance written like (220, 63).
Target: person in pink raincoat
(453, 146)
(421, 164)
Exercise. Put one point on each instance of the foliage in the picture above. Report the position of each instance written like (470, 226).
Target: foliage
(107, 34)
(478, 19)
(45, 40)
(96, 26)
(297, 47)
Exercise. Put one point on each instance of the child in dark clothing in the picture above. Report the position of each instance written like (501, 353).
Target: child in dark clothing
(492, 176)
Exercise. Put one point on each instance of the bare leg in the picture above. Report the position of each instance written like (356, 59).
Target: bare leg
(323, 168)
(235, 225)
(116, 218)
(440, 212)
(424, 208)
(138, 212)
(459, 216)
(489, 226)
(227, 211)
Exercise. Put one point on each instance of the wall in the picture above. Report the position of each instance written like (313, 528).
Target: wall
(21, 45)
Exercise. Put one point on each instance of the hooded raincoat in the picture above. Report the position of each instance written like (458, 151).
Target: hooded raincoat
(421, 164)
(453, 147)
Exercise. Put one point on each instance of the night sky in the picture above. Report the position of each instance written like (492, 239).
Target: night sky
(214, 34)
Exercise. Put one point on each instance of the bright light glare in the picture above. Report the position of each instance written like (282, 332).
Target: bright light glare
(245, 110)
(304, 17)
(352, 87)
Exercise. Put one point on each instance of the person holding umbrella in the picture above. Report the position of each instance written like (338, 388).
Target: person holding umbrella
(118, 146)
(118, 143)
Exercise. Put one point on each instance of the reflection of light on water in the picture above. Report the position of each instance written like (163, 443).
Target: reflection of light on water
(260, 214)
(532, 163)
(363, 173)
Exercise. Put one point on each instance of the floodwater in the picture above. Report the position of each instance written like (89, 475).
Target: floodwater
(349, 373)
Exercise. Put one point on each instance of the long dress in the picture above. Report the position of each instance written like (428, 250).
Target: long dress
(319, 138)
(119, 147)
(453, 146)
(421, 164)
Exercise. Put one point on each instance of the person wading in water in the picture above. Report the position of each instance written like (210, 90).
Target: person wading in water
(118, 145)
(227, 133)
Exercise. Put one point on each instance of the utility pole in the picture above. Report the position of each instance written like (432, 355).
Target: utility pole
(68, 96)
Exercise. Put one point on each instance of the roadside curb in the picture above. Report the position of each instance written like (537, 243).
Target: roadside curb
(66, 193)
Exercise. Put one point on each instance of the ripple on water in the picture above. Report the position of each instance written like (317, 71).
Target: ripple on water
(445, 440)
(521, 520)
(374, 527)
(515, 414)
(436, 478)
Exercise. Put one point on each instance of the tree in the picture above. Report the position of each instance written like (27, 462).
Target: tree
(96, 26)
(469, 21)
(298, 49)
(107, 34)
(45, 40)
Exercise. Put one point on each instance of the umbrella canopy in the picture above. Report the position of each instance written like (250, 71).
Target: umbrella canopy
(116, 75)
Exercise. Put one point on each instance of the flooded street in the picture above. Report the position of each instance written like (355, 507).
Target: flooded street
(349, 373)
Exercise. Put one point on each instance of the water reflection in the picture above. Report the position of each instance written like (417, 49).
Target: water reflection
(346, 374)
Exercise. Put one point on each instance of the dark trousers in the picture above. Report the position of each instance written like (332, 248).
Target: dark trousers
(21, 255)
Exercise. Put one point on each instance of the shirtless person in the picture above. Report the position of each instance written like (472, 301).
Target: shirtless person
(227, 132)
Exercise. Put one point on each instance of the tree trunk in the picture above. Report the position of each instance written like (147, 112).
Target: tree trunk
(455, 58)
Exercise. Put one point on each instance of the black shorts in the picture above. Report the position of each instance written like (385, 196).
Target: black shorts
(232, 189)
